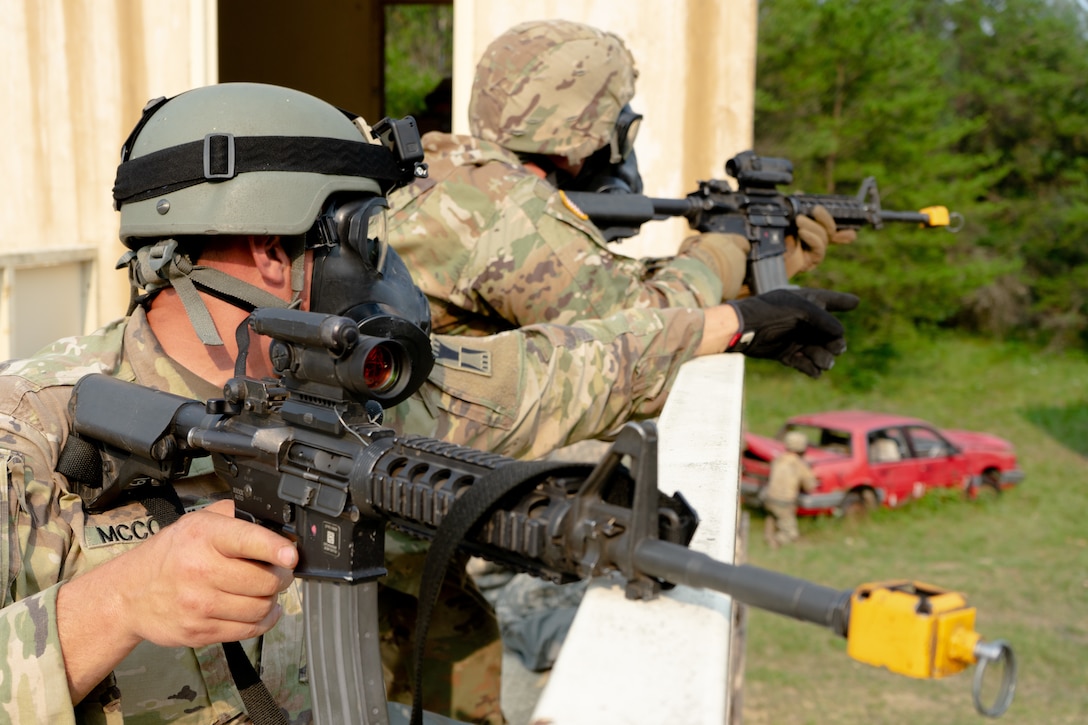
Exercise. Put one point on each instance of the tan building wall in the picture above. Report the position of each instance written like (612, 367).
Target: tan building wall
(76, 73)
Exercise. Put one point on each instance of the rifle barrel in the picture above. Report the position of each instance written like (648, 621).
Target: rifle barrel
(761, 588)
(905, 216)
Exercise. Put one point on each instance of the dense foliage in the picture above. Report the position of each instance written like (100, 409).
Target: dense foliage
(978, 105)
(418, 54)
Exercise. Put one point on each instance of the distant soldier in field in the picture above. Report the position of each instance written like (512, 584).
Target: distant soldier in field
(790, 475)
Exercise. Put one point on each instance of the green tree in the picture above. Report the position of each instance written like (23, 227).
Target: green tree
(976, 105)
(418, 54)
(849, 89)
(1021, 66)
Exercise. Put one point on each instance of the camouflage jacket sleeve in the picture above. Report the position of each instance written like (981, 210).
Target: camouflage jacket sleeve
(494, 247)
(48, 537)
(525, 392)
(36, 532)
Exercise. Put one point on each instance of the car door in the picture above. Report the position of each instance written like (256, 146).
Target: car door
(939, 463)
(892, 467)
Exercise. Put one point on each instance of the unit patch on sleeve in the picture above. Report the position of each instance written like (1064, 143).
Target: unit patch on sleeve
(461, 357)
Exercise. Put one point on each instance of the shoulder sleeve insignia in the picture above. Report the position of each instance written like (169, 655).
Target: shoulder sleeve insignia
(573, 207)
(461, 357)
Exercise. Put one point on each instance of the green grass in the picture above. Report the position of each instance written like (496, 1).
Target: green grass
(1021, 559)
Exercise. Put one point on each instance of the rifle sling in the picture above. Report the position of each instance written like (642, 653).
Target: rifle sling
(260, 706)
(465, 516)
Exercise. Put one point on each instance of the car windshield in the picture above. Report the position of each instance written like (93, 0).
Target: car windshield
(828, 439)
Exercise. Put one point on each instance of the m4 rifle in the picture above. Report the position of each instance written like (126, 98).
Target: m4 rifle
(305, 454)
(756, 210)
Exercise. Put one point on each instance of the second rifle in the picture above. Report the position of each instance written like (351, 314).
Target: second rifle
(756, 210)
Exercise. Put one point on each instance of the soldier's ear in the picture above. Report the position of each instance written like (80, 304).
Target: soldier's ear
(271, 261)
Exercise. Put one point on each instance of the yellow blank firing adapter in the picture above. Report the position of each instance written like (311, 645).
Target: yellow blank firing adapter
(922, 631)
(939, 216)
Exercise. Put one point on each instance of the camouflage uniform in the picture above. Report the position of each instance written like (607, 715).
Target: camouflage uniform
(514, 393)
(492, 244)
(789, 475)
(48, 538)
(494, 247)
(512, 256)
(534, 615)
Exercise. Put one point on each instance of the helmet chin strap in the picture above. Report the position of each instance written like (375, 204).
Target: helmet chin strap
(155, 267)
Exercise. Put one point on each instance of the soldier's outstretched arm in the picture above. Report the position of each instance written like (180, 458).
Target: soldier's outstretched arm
(523, 254)
(526, 392)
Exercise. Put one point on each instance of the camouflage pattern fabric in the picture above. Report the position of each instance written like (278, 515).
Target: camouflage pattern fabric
(48, 538)
(524, 393)
(465, 683)
(552, 87)
(519, 393)
(495, 247)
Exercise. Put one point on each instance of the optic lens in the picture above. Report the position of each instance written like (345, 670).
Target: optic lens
(380, 369)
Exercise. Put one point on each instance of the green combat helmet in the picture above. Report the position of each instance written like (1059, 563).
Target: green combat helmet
(552, 87)
(216, 193)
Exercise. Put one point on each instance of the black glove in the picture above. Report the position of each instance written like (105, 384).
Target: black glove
(793, 326)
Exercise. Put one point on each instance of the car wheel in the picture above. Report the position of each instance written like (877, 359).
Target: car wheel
(985, 485)
(858, 502)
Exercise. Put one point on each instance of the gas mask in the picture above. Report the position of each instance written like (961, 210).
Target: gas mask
(612, 168)
(356, 274)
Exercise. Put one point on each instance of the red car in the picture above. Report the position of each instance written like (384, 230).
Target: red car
(864, 460)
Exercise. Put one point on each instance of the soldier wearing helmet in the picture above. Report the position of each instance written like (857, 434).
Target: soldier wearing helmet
(240, 196)
(496, 245)
(790, 474)
(488, 235)
(231, 197)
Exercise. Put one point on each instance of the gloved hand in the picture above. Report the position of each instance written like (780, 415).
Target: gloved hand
(794, 326)
(725, 254)
(815, 232)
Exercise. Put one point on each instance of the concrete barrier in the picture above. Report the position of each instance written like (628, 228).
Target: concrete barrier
(666, 660)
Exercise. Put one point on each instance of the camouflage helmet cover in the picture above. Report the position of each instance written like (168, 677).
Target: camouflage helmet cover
(551, 87)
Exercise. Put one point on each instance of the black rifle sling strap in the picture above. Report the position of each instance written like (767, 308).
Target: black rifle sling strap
(467, 513)
(165, 507)
(260, 706)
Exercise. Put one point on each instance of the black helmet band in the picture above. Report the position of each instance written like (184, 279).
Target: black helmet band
(222, 156)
